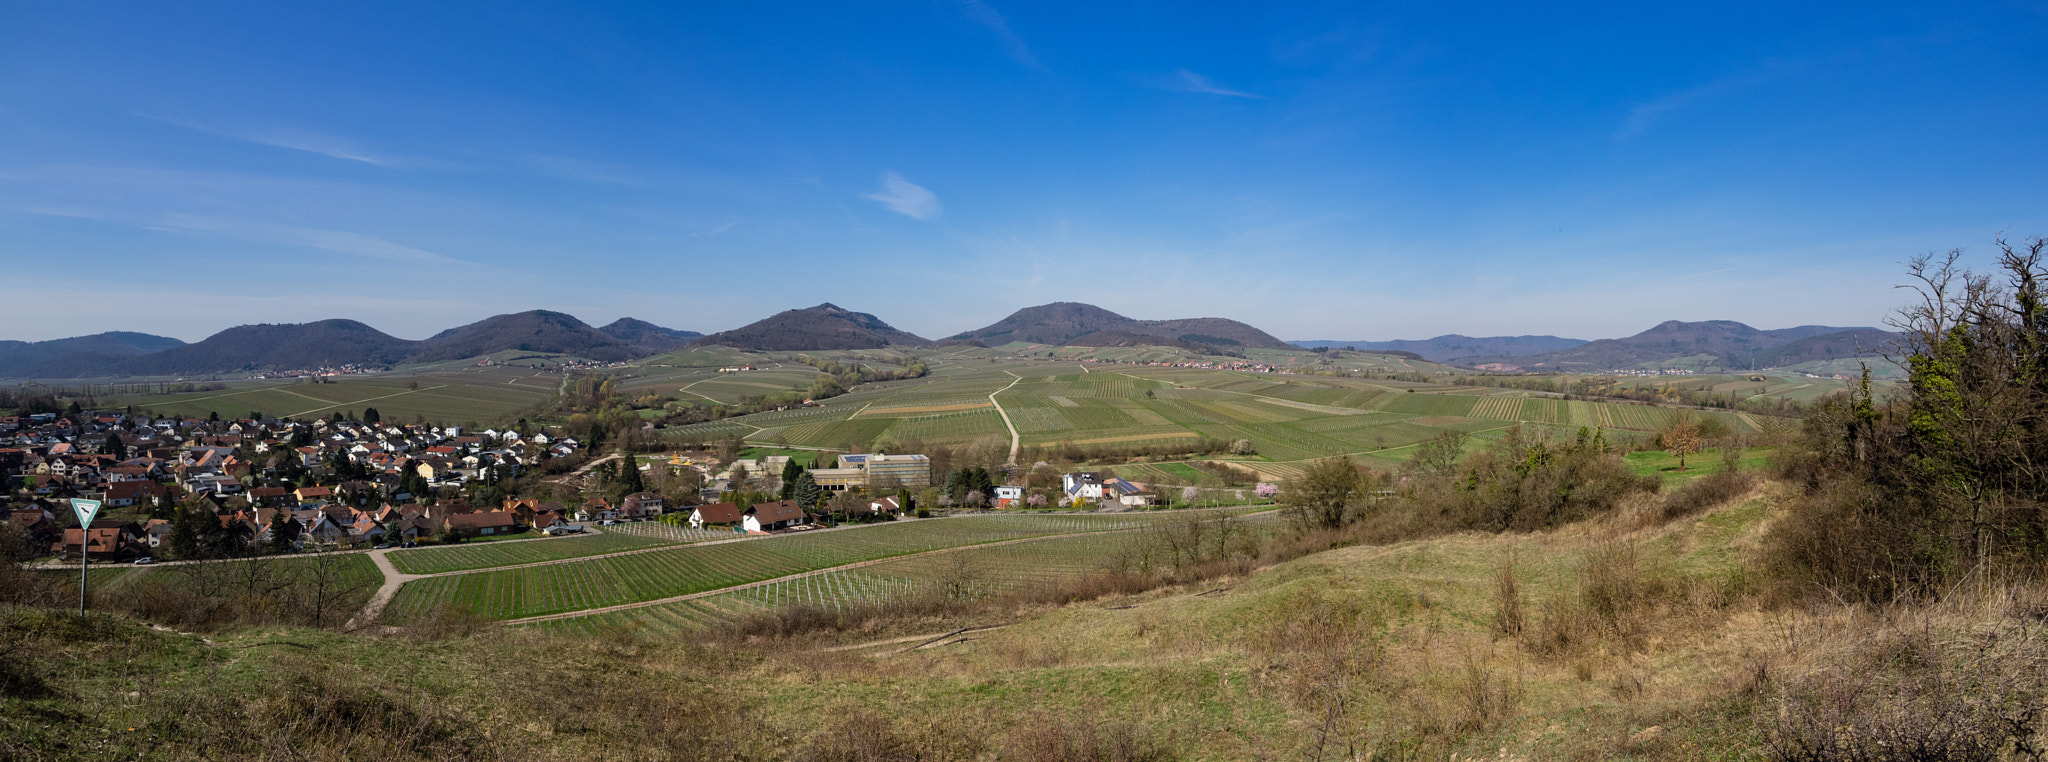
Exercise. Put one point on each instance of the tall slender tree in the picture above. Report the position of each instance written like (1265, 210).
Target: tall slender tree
(790, 472)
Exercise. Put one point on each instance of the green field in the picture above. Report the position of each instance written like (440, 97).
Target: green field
(1288, 419)
(352, 569)
(488, 555)
(444, 394)
(594, 583)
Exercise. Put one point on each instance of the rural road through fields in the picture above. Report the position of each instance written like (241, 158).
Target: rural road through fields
(1014, 439)
(374, 608)
(393, 579)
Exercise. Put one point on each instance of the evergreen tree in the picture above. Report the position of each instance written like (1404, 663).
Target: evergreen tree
(629, 480)
(956, 484)
(114, 447)
(807, 491)
(370, 415)
(790, 472)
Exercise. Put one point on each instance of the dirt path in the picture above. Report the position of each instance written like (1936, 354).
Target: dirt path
(923, 641)
(578, 473)
(393, 579)
(1014, 439)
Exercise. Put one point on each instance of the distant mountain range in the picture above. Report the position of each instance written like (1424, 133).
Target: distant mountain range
(1453, 346)
(256, 348)
(77, 356)
(1086, 325)
(327, 343)
(1731, 344)
(824, 327)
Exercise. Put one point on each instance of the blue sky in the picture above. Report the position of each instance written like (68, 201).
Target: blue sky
(1348, 171)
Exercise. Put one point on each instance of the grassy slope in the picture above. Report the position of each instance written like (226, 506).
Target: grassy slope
(1226, 670)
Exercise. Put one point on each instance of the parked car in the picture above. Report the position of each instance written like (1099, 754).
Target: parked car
(606, 523)
(382, 546)
(144, 561)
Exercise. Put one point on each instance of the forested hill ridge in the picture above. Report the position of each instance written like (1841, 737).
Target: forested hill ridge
(322, 343)
(1062, 323)
(79, 355)
(530, 331)
(1452, 346)
(1723, 343)
(641, 333)
(329, 343)
(824, 327)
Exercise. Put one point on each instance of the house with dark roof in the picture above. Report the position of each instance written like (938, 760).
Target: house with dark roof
(1127, 493)
(719, 515)
(1082, 484)
(766, 517)
(105, 540)
(482, 524)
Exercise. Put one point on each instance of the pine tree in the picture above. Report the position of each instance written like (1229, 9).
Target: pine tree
(629, 477)
(790, 472)
(807, 491)
(370, 415)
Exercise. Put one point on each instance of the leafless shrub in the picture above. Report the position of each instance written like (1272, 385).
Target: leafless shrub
(863, 735)
(1611, 605)
(1508, 620)
(1919, 683)
(1083, 739)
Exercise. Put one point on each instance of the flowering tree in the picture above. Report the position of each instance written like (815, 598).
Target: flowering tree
(1188, 494)
(1267, 490)
(1035, 501)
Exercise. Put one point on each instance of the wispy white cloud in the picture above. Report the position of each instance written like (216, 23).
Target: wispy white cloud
(980, 13)
(296, 139)
(337, 241)
(1649, 113)
(1189, 82)
(905, 197)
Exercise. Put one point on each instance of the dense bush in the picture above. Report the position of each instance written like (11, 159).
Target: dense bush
(1909, 494)
(1520, 483)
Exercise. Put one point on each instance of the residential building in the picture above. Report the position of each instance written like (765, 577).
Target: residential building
(716, 515)
(765, 517)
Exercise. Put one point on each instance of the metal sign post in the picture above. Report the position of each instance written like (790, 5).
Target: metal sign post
(85, 509)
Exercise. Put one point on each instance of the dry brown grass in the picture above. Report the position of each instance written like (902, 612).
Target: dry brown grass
(1963, 677)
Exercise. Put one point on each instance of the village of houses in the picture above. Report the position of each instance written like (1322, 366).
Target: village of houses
(360, 478)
